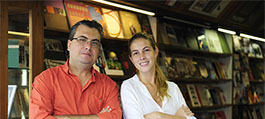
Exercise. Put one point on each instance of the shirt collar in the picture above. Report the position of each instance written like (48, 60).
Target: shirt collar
(67, 70)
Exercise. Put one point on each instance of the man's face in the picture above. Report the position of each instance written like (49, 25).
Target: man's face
(84, 48)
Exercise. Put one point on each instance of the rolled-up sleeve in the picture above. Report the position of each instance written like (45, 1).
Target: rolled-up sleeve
(111, 100)
(130, 106)
(40, 105)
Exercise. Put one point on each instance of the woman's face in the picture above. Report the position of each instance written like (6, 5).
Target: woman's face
(143, 56)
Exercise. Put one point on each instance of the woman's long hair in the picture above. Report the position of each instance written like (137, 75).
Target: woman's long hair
(161, 84)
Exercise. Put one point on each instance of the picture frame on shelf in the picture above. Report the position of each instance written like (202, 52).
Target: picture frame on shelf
(11, 96)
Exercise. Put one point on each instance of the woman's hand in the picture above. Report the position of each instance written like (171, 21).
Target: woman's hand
(153, 115)
(160, 115)
(184, 111)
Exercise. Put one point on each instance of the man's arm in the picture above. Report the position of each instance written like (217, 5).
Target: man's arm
(111, 102)
(40, 105)
(83, 116)
(77, 117)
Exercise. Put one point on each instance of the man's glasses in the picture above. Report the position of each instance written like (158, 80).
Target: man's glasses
(83, 40)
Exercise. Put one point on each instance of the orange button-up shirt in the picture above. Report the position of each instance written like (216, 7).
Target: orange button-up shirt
(57, 91)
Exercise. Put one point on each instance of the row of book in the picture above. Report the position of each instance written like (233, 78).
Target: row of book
(250, 95)
(195, 38)
(211, 115)
(18, 102)
(203, 95)
(18, 53)
(116, 23)
(253, 49)
(249, 113)
(187, 67)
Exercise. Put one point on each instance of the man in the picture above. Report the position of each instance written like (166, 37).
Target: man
(76, 90)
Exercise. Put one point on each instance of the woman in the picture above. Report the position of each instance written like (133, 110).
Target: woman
(148, 94)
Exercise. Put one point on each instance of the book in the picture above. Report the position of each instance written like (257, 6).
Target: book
(49, 63)
(201, 38)
(112, 20)
(161, 62)
(17, 55)
(76, 11)
(259, 113)
(251, 52)
(219, 115)
(97, 15)
(144, 22)
(11, 95)
(55, 15)
(236, 42)
(130, 24)
(162, 35)
(191, 39)
(213, 41)
(257, 50)
(170, 66)
(203, 69)
(215, 96)
(203, 91)
(223, 41)
(24, 100)
(153, 24)
(53, 45)
(170, 33)
(220, 70)
(193, 95)
(180, 36)
(211, 70)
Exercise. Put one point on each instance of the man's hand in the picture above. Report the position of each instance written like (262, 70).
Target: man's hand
(184, 111)
(107, 109)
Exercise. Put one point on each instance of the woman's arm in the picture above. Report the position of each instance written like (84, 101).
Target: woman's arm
(130, 105)
(180, 114)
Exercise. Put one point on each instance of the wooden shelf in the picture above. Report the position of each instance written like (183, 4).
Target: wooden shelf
(56, 30)
(119, 39)
(191, 52)
(198, 80)
(254, 104)
(206, 108)
(119, 78)
(23, 68)
(255, 59)
(257, 81)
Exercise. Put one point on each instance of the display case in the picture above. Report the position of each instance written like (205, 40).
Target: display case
(21, 37)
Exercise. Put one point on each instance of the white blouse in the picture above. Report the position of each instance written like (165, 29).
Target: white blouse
(137, 101)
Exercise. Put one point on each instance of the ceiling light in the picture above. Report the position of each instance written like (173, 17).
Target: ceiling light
(125, 7)
(18, 33)
(226, 31)
(252, 37)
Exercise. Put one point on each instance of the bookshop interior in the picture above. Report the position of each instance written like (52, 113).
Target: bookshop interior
(212, 49)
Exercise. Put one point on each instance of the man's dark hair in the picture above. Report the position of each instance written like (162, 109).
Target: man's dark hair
(91, 24)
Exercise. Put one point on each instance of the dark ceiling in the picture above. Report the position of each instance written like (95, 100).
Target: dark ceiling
(241, 16)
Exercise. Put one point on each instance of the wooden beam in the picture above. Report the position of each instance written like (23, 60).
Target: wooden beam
(3, 60)
(36, 41)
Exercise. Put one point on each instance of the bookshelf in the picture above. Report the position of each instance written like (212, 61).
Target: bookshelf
(182, 53)
(250, 64)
